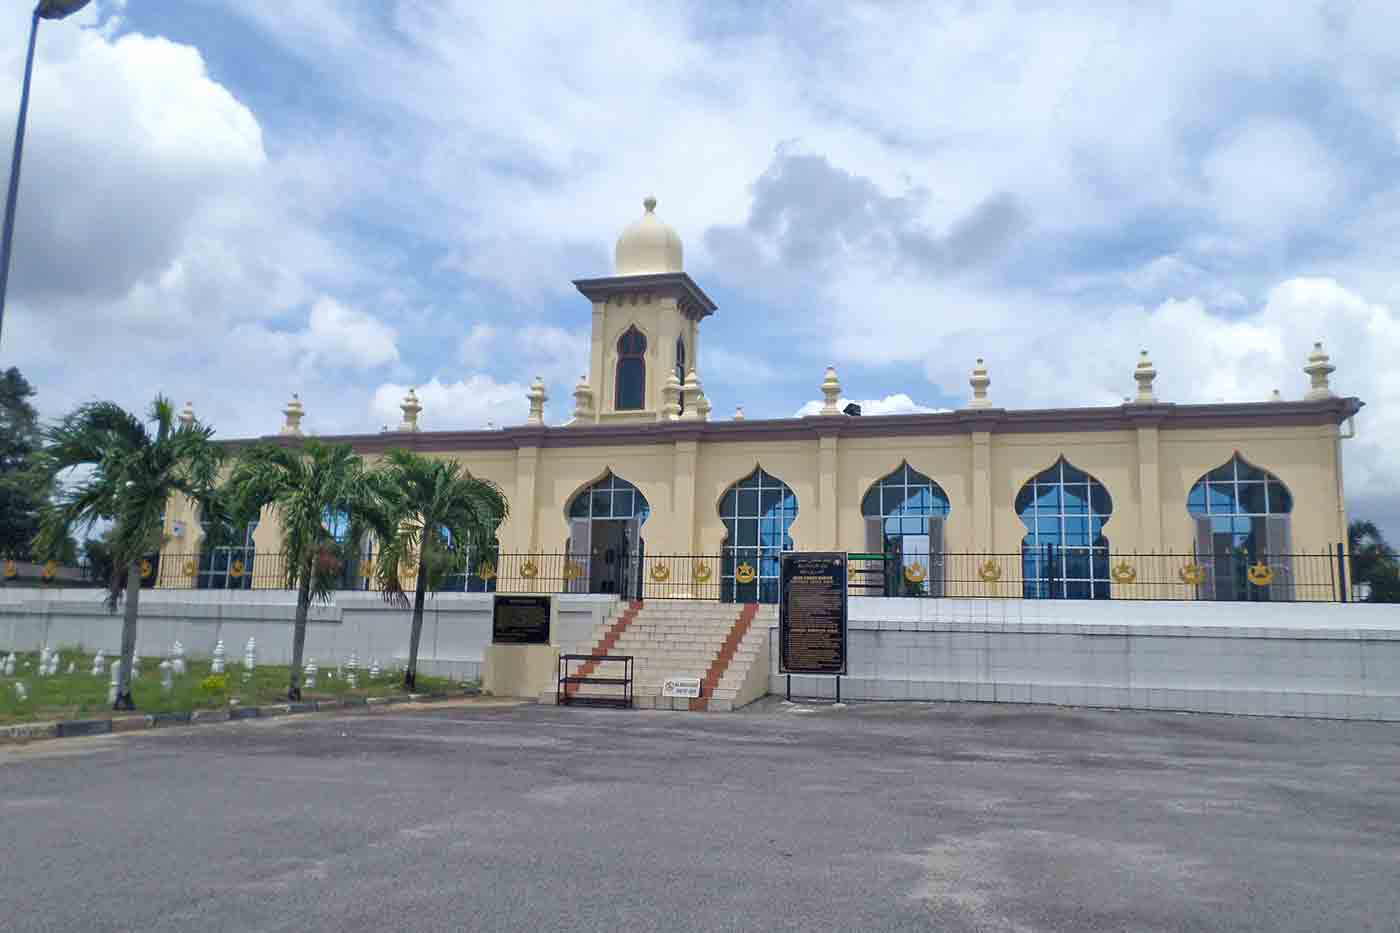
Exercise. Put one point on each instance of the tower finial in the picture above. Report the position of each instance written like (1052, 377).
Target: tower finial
(649, 202)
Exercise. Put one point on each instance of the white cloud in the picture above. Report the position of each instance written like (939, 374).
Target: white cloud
(897, 404)
(473, 402)
(338, 335)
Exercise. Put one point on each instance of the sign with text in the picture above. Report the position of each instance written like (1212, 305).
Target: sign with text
(812, 614)
(681, 687)
(520, 620)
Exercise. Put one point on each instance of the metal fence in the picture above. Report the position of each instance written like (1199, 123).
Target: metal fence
(1070, 573)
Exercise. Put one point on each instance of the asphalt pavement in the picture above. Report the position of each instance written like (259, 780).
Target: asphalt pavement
(941, 817)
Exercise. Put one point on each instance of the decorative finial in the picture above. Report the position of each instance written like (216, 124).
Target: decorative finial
(691, 395)
(671, 397)
(294, 413)
(979, 382)
(831, 392)
(1144, 374)
(1276, 396)
(537, 397)
(410, 407)
(187, 415)
(1318, 369)
(650, 203)
(738, 412)
(583, 399)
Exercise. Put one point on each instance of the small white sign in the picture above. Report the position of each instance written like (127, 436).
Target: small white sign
(681, 687)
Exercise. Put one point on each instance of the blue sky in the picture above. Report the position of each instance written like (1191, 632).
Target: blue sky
(231, 201)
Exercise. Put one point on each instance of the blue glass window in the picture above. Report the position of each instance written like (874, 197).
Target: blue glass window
(905, 502)
(631, 389)
(1064, 554)
(610, 497)
(1239, 498)
(757, 513)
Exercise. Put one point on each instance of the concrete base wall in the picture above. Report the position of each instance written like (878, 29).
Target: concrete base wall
(456, 626)
(1312, 660)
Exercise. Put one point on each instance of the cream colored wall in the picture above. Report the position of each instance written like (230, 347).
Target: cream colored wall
(684, 482)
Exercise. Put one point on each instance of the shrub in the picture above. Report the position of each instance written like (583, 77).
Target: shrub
(214, 683)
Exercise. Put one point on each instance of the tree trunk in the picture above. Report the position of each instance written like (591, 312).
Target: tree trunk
(410, 676)
(299, 633)
(129, 616)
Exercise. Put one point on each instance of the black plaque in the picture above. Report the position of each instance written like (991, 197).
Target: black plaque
(520, 620)
(812, 616)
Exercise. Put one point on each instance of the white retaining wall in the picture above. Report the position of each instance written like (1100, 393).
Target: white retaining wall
(1320, 660)
(456, 626)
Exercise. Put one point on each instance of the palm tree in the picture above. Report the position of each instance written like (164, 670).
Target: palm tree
(131, 476)
(442, 515)
(1373, 561)
(305, 486)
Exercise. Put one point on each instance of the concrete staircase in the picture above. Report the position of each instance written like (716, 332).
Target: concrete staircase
(724, 644)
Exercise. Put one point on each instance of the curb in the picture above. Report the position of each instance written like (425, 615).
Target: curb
(24, 733)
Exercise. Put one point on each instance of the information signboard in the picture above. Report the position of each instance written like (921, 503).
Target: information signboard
(520, 620)
(812, 613)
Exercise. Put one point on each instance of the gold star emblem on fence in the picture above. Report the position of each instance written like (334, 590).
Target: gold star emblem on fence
(528, 570)
(745, 574)
(1261, 574)
(235, 569)
(989, 571)
(188, 568)
(916, 573)
(572, 571)
(701, 571)
(660, 573)
(11, 570)
(1124, 572)
(487, 571)
(146, 569)
(50, 571)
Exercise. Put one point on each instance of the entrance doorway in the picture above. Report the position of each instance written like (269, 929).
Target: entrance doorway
(605, 544)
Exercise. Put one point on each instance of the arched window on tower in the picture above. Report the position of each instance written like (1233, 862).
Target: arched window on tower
(680, 367)
(904, 515)
(631, 389)
(1064, 554)
(1241, 514)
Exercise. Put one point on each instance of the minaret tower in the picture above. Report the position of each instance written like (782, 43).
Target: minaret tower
(646, 330)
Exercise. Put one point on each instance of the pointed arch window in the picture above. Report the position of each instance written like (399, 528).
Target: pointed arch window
(904, 514)
(225, 546)
(1064, 554)
(631, 388)
(757, 513)
(1241, 515)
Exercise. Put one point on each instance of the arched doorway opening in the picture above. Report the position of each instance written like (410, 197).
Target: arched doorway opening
(605, 537)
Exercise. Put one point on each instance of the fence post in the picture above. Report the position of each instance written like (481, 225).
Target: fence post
(1342, 569)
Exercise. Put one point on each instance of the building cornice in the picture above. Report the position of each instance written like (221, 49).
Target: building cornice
(1127, 417)
(692, 300)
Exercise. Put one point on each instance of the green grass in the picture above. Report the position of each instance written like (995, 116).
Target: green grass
(81, 695)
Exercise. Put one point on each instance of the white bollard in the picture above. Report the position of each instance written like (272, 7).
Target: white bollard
(99, 663)
(351, 667)
(43, 669)
(167, 675)
(21, 694)
(116, 677)
(374, 670)
(72, 667)
(8, 668)
(250, 658)
(177, 658)
(135, 666)
(311, 671)
(220, 654)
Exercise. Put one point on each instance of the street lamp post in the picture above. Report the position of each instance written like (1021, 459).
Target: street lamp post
(46, 9)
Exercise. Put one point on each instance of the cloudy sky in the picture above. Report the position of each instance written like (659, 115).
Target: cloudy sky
(231, 200)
